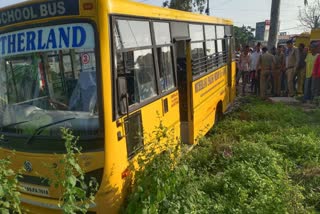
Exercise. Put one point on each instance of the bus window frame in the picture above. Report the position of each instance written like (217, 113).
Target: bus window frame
(113, 17)
(219, 65)
(97, 52)
(171, 46)
(122, 50)
(214, 40)
(203, 42)
(153, 47)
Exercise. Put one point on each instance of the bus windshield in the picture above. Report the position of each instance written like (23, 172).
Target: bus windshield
(48, 79)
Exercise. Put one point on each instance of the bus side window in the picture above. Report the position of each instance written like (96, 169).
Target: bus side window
(134, 130)
(135, 59)
(220, 44)
(197, 49)
(210, 33)
(164, 54)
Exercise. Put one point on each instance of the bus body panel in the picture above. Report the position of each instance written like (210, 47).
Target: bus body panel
(208, 91)
(233, 89)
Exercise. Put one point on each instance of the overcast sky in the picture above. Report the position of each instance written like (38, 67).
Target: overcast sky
(248, 12)
(242, 12)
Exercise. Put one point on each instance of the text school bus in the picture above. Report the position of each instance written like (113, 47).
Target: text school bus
(107, 70)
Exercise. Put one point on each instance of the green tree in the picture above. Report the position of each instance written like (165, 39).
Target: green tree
(186, 5)
(309, 16)
(243, 35)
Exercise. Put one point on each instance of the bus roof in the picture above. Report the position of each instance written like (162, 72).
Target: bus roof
(130, 8)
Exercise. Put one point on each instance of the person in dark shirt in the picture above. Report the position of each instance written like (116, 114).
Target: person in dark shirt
(301, 68)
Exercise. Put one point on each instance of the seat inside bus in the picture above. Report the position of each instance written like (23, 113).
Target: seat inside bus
(84, 96)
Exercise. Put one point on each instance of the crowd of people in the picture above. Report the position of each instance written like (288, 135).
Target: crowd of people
(282, 71)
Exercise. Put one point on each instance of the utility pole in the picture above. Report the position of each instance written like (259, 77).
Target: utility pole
(208, 8)
(274, 23)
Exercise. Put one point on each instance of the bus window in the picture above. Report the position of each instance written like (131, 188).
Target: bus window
(197, 49)
(220, 32)
(220, 44)
(48, 83)
(162, 33)
(23, 79)
(134, 33)
(164, 53)
(210, 34)
(179, 29)
(134, 137)
(166, 68)
(228, 30)
(136, 65)
(196, 33)
(197, 53)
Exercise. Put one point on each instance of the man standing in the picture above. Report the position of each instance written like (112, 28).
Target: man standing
(279, 66)
(310, 61)
(266, 65)
(292, 61)
(253, 65)
(244, 67)
(301, 69)
(316, 75)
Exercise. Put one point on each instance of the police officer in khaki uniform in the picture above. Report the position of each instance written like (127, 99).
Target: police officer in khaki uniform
(292, 62)
(266, 64)
(279, 66)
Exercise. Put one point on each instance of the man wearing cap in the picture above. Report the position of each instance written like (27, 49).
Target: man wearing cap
(266, 64)
(292, 62)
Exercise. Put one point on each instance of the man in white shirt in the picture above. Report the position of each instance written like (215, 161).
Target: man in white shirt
(253, 73)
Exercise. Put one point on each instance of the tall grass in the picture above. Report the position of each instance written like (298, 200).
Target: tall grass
(263, 158)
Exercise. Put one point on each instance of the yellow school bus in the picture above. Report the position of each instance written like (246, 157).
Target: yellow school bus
(108, 70)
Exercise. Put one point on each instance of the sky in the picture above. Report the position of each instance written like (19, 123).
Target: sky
(242, 12)
(248, 12)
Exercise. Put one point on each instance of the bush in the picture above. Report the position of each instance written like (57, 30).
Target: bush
(9, 189)
(77, 195)
(163, 183)
(263, 158)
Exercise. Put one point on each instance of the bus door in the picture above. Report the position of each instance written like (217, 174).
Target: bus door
(184, 77)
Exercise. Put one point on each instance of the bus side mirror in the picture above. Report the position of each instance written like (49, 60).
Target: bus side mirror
(123, 99)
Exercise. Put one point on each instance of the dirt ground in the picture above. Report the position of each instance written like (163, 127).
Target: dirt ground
(294, 101)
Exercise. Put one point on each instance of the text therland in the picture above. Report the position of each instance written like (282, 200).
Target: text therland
(47, 38)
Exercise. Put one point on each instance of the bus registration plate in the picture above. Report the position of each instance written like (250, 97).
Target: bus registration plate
(35, 189)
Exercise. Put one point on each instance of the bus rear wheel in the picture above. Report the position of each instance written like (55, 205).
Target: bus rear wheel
(219, 113)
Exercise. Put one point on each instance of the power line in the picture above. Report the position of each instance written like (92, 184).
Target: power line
(290, 28)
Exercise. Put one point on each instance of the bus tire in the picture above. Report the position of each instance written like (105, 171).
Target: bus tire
(219, 113)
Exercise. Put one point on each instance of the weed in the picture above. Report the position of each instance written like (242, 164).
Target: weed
(9, 189)
(77, 195)
(263, 158)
